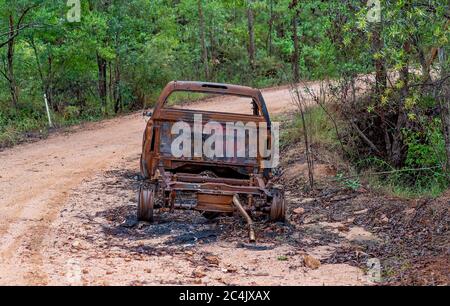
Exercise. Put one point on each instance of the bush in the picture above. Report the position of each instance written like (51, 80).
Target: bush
(14, 125)
(422, 174)
(71, 112)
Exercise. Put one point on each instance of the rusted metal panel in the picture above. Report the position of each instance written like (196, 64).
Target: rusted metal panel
(174, 114)
(214, 202)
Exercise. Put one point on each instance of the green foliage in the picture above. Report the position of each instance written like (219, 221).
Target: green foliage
(422, 173)
(183, 97)
(398, 184)
(426, 148)
(350, 183)
(282, 258)
(14, 125)
(318, 124)
(71, 112)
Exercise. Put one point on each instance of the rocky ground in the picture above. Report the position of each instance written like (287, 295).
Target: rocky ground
(409, 238)
(333, 236)
(97, 240)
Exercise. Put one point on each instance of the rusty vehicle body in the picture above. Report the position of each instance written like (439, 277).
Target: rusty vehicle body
(210, 186)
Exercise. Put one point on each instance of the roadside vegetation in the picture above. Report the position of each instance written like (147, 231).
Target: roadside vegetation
(421, 176)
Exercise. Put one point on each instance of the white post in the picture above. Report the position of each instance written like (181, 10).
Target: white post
(48, 111)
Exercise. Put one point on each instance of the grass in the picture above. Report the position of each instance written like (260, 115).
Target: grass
(282, 258)
(395, 186)
(17, 126)
(320, 128)
(403, 183)
(14, 128)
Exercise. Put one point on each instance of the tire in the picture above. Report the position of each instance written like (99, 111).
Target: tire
(146, 201)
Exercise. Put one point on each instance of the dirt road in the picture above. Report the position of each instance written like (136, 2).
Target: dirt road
(67, 205)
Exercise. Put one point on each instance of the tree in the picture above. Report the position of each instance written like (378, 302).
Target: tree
(296, 53)
(270, 30)
(100, 9)
(202, 38)
(251, 35)
(14, 30)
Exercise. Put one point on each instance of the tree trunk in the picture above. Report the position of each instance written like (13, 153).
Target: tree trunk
(110, 81)
(49, 90)
(102, 64)
(296, 54)
(10, 64)
(380, 79)
(445, 114)
(397, 138)
(116, 90)
(445, 104)
(380, 67)
(203, 40)
(102, 81)
(45, 80)
(251, 35)
(423, 63)
(269, 37)
(213, 53)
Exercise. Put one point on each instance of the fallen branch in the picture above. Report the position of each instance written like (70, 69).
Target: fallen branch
(364, 137)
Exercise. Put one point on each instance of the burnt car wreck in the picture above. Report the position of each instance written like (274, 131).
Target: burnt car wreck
(212, 185)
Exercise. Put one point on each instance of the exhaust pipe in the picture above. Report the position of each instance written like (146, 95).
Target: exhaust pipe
(251, 230)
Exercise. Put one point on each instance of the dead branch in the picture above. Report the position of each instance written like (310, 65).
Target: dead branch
(386, 172)
(299, 101)
(364, 137)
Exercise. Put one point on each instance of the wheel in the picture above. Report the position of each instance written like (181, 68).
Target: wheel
(144, 172)
(146, 200)
(278, 207)
(210, 215)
